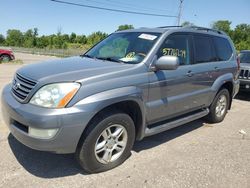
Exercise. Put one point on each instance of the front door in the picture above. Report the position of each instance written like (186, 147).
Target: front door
(170, 91)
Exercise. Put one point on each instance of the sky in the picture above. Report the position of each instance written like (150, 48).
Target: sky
(50, 17)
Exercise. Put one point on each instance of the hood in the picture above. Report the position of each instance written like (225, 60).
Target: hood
(70, 69)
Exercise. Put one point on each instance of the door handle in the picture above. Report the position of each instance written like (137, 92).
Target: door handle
(190, 74)
(216, 69)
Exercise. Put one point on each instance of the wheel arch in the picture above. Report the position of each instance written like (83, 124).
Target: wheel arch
(5, 54)
(127, 100)
(224, 82)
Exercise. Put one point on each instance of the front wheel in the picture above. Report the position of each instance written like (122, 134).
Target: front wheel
(5, 58)
(107, 143)
(219, 107)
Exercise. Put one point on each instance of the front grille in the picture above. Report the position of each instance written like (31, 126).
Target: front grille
(244, 74)
(21, 87)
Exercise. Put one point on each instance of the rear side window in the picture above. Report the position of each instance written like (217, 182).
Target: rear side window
(203, 49)
(223, 49)
(176, 45)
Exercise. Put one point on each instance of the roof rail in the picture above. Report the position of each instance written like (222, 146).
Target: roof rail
(207, 29)
(197, 28)
(169, 26)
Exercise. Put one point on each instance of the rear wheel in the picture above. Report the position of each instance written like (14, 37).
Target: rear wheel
(219, 107)
(107, 143)
(5, 58)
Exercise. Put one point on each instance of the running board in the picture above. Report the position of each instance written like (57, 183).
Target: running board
(176, 123)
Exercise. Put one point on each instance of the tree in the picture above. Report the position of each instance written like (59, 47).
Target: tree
(42, 42)
(35, 34)
(125, 27)
(223, 25)
(28, 39)
(96, 37)
(81, 39)
(241, 36)
(14, 38)
(187, 24)
(72, 37)
(2, 39)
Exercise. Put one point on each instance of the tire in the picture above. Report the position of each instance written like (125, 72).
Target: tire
(90, 158)
(5, 58)
(219, 107)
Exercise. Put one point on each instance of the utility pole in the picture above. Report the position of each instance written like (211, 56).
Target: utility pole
(180, 12)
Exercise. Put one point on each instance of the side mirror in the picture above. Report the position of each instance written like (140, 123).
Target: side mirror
(167, 63)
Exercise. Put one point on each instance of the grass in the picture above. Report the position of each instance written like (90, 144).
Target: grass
(16, 61)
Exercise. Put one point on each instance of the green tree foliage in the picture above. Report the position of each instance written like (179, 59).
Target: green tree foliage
(96, 37)
(30, 39)
(223, 25)
(72, 37)
(187, 24)
(14, 38)
(2, 40)
(125, 27)
(240, 35)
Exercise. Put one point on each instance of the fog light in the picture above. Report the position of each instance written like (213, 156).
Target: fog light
(42, 133)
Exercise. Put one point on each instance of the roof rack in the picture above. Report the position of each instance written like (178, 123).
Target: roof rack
(169, 26)
(197, 28)
(207, 29)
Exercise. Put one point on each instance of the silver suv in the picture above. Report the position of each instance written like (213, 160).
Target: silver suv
(244, 75)
(133, 84)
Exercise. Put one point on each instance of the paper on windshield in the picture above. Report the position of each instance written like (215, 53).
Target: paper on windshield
(147, 36)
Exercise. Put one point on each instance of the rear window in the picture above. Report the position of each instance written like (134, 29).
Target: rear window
(203, 49)
(223, 49)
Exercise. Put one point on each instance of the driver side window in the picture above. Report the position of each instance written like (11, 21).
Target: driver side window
(176, 45)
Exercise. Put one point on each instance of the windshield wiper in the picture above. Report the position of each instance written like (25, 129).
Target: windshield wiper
(86, 55)
(110, 59)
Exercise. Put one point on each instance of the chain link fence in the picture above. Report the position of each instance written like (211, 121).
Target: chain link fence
(45, 51)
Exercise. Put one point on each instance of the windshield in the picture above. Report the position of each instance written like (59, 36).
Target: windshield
(245, 57)
(126, 47)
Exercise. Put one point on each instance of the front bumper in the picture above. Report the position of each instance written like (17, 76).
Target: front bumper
(236, 87)
(70, 123)
(244, 85)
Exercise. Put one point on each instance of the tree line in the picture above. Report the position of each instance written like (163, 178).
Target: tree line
(30, 39)
(240, 35)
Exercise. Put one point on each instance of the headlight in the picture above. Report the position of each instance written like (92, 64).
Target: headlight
(55, 95)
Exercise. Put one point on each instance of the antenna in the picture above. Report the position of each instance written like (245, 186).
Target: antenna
(180, 12)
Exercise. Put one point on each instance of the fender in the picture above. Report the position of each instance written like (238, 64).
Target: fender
(101, 100)
(219, 82)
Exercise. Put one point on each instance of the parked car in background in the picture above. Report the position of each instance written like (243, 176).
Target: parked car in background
(244, 75)
(133, 84)
(6, 55)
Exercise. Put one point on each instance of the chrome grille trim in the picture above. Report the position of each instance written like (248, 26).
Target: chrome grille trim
(244, 74)
(21, 87)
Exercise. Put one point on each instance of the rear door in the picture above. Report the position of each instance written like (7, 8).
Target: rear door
(203, 69)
